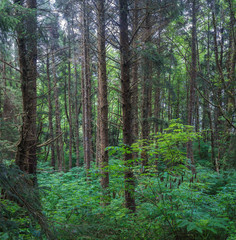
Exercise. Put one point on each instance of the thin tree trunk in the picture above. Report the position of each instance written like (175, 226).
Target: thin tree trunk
(218, 99)
(147, 89)
(169, 100)
(193, 77)
(77, 111)
(59, 141)
(197, 124)
(87, 90)
(178, 99)
(2, 93)
(135, 96)
(98, 129)
(157, 106)
(70, 110)
(50, 110)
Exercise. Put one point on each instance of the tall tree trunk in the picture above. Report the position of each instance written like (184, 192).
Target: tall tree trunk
(102, 96)
(157, 96)
(169, 99)
(87, 90)
(59, 141)
(147, 89)
(98, 129)
(70, 109)
(27, 46)
(135, 95)
(197, 124)
(1, 93)
(157, 107)
(208, 109)
(218, 97)
(192, 83)
(126, 104)
(53, 160)
(77, 111)
(231, 62)
(178, 99)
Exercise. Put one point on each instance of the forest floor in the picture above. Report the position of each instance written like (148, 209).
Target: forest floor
(168, 206)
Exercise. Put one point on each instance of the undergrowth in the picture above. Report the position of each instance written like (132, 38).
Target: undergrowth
(168, 207)
(172, 204)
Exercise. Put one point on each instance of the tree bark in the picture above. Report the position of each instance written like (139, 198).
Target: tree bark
(157, 96)
(134, 80)
(70, 109)
(147, 88)
(98, 129)
(192, 83)
(102, 96)
(27, 47)
(126, 104)
(86, 90)
(77, 112)
(59, 141)
(50, 110)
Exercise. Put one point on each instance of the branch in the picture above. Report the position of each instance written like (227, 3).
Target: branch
(217, 106)
(9, 64)
(49, 141)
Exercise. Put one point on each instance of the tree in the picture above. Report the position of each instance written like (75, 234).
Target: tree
(86, 87)
(59, 137)
(147, 82)
(135, 66)
(102, 95)
(27, 47)
(50, 114)
(126, 104)
(192, 83)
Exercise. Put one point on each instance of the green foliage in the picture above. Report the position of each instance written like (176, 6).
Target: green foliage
(14, 222)
(166, 151)
(203, 155)
(7, 20)
(20, 207)
(168, 206)
(168, 147)
(8, 137)
(171, 203)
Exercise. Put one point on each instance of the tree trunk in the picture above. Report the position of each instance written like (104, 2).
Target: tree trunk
(77, 111)
(169, 99)
(135, 93)
(102, 96)
(126, 104)
(27, 46)
(157, 96)
(192, 83)
(59, 141)
(218, 97)
(87, 90)
(98, 129)
(50, 109)
(70, 110)
(147, 89)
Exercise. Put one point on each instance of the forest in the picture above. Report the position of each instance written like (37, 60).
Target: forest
(118, 119)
